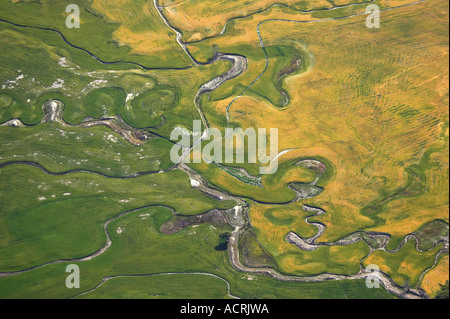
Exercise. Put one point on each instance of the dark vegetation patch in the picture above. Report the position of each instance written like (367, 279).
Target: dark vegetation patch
(431, 234)
(293, 67)
(178, 222)
(223, 242)
(251, 252)
(443, 292)
(376, 242)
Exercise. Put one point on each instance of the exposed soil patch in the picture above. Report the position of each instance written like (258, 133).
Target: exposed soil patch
(53, 112)
(294, 66)
(215, 217)
(118, 125)
(313, 165)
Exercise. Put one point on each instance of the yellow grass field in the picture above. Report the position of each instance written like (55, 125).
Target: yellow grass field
(439, 275)
(141, 27)
(195, 19)
(405, 266)
(272, 224)
(372, 142)
(374, 103)
(370, 104)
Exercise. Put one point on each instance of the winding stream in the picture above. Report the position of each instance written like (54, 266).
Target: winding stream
(266, 57)
(241, 221)
(106, 279)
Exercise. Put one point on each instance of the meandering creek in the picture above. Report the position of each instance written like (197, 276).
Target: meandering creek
(237, 217)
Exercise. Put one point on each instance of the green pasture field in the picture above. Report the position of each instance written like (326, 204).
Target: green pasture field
(58, 71)
(141, 250)
(96, 33)
(281, 194)
(98, 149)
(174, 286)
(90, 176)
(275, 190)
(36, 215)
